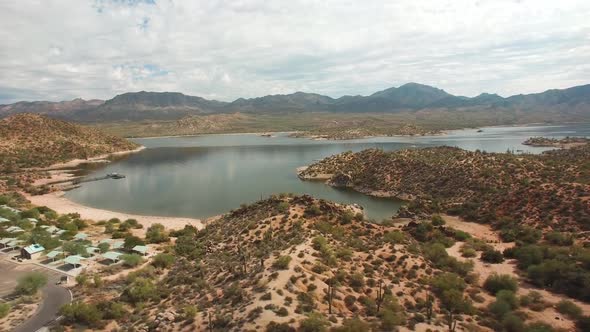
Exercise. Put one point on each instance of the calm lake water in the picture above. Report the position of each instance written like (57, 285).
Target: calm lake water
(208, 175)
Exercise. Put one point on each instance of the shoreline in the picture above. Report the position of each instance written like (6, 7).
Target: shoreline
(77, 162)
(212, 134)
(443, 132)
(58, 202)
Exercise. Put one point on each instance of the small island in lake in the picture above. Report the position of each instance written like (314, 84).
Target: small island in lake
(563, 143)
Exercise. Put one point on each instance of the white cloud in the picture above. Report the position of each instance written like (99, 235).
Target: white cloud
(228, 49)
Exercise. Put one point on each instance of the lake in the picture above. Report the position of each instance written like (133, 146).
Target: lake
(204, 176)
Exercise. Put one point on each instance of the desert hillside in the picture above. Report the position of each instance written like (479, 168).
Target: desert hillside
(28, 140)
(548, 191)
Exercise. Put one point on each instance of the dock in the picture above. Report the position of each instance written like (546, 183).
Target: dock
(115, 176)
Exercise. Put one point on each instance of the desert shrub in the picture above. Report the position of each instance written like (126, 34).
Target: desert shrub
(282, 312)
(559, 238)
(306, 302)
(437, 220)
(163, 260)
(4, 309)
(492, 256)
(569, 309)
(583, 323)
(279, 327)
(469, 253)
(104, 247)
(512, 323)
(132, 241)
(112, 310)
(282, 263)
(81, 313)
(508, 297)
(447, 281)
(131, 260)
(461, 236)
(141, 290)
(156, 233)
(538, 327)
(495, 283)
(352, 325)
(315, 322)
(394, 237)
(499, 308)
(30, 283)
(356, 281)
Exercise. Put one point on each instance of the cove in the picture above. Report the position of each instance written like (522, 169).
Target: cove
(203, 176)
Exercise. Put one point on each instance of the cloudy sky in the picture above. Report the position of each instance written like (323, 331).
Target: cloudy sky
(63, 49)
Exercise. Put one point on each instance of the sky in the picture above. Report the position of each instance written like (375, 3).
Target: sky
(64, 49)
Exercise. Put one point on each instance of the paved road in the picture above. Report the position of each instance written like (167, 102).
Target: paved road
(53, 296)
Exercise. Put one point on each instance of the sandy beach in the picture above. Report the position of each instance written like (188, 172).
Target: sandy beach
(98, 159)
(56, 200)
(61, 204)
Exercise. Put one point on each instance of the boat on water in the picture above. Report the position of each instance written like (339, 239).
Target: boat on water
(115, 176)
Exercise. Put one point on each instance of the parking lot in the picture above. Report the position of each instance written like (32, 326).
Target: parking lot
(10, 272)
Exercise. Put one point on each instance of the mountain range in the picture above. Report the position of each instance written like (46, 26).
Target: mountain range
(136, 106)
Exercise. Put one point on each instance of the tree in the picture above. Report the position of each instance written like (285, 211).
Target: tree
(131, 260)
(492, 256)
(569, 309)
(454, 303)
(132, 241)
(140, 290)
(74, 248)
(81, 313)
(495, 283)
(512, 323)
(104, 247)
(163, 260)
(31, 283)
(157, 233)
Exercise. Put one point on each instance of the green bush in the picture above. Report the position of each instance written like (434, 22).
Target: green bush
(30, 283)
(131, 260)
(352, 325)
(81, 313)
(315, 322)
(4, 310)
(156, 233)
(492, 256)
(495, 283)
(499, 308)
(132, 241)
(112, 310)
(104, 247)
(569, 309)
(468, 253)
(141, 290)
(437, 220)
(282, 263)
(276, 327)
(512, 323)
(163, 260)
(508, 297)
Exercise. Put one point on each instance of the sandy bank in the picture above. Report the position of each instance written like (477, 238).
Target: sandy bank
(61, 204)
(98, 159)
